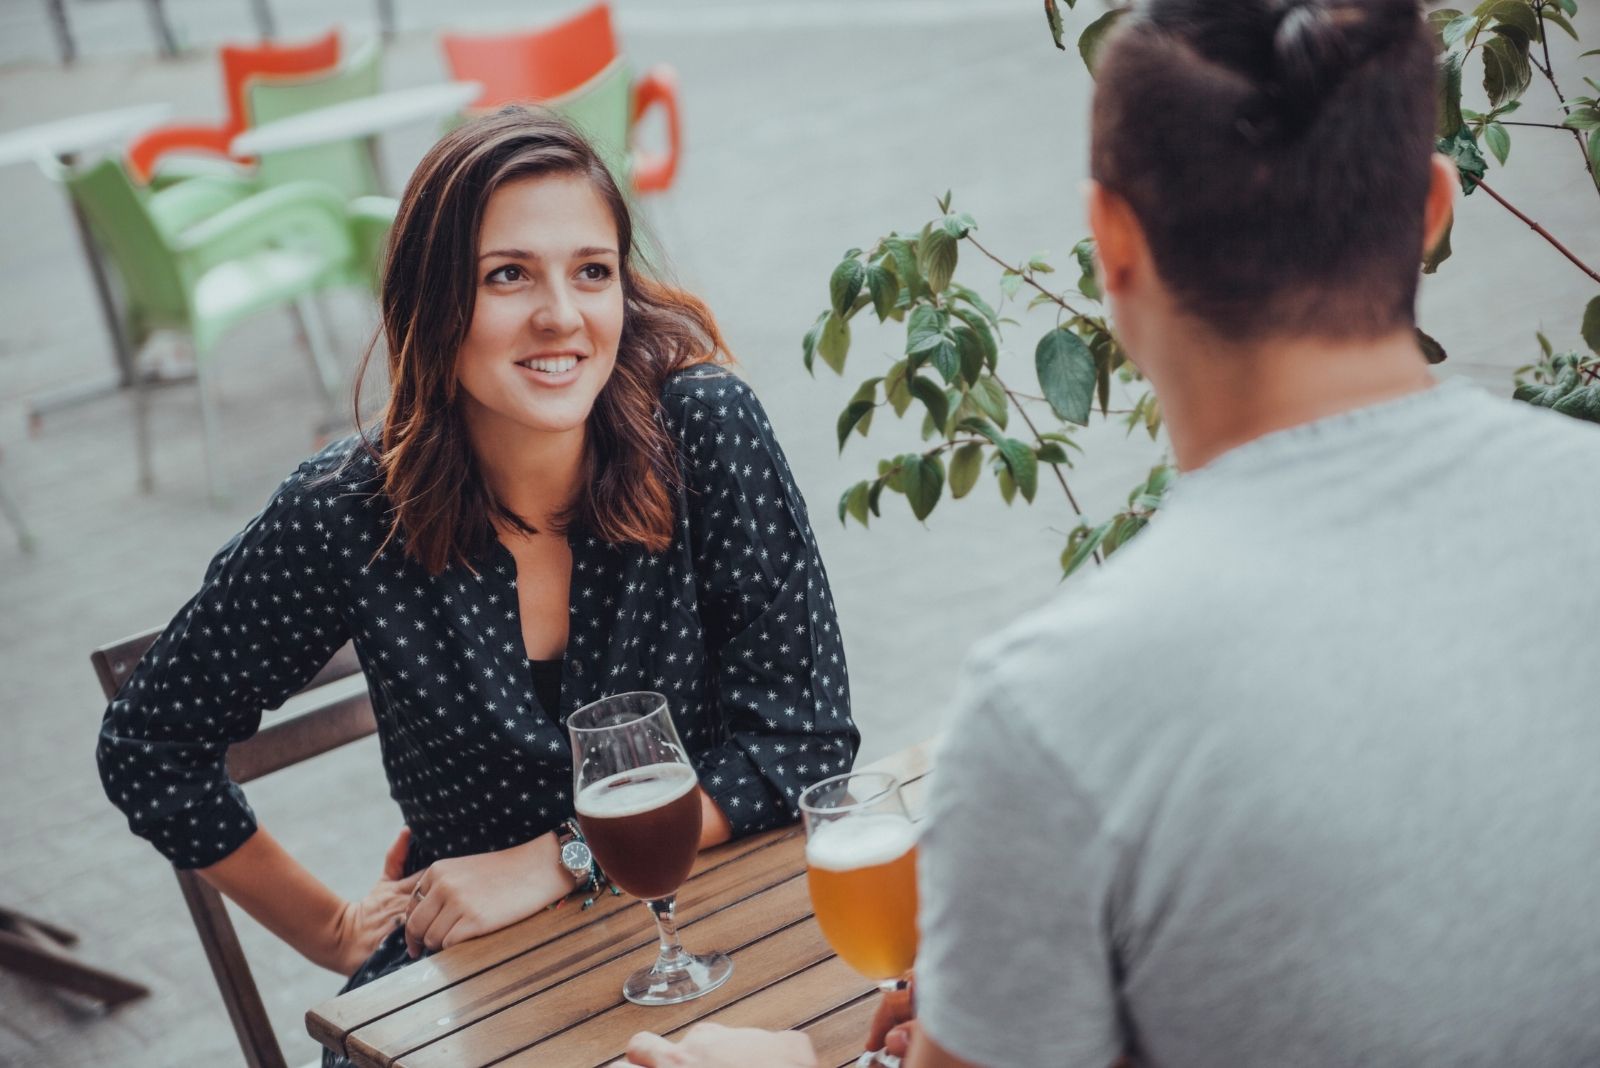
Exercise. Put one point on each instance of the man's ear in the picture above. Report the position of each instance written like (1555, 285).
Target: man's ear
(1441, 204)
(1119, 239)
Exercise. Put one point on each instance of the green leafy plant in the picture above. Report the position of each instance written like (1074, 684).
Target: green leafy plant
(983, 411)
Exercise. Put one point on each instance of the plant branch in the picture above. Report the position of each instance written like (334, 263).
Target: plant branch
(1539, 125)
(1541, 231)
(1549, 72)
(1026, 276)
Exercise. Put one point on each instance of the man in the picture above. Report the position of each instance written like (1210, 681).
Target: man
(1310, 774)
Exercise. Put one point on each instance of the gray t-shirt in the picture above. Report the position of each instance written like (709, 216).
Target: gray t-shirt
(1308, 775)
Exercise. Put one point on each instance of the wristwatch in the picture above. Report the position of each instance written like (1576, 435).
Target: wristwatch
(576, 857)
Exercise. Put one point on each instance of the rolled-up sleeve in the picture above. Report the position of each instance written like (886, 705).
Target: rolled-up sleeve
(265, 619)
(771, 628)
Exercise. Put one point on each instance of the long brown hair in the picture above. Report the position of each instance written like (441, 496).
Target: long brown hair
(442, 510)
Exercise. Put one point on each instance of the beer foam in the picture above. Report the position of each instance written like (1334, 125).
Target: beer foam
(860, 842)
(660, 783)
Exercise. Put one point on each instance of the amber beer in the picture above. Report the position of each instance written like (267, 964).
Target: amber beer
(862, 870)
(644, 827)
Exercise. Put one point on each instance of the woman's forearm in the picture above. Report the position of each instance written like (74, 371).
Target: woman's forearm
(714, 826)
(262, 878)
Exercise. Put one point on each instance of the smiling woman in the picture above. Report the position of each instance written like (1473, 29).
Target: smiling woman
(568, 496)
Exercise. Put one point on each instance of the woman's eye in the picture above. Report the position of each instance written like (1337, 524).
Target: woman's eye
(509, 273)
(595, 272)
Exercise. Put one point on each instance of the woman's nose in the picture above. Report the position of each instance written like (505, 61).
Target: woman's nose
(558, 312)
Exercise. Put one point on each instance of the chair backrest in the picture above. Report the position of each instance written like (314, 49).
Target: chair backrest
(347, 165)
(602, 108)
(326, 724)
(533, 66)
(240, 63)
(154, 293)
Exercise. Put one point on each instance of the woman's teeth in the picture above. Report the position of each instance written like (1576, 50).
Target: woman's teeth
(554, 366)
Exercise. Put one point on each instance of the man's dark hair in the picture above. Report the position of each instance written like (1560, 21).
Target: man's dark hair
(1276, 154)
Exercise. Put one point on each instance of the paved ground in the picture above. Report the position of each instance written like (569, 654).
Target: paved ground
(810, 127)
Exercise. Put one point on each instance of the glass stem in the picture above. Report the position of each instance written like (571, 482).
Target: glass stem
(672, 957)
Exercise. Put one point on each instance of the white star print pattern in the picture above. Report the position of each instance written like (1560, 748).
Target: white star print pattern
(734, 623)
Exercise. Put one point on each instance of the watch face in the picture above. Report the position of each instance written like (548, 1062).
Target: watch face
(576, 858)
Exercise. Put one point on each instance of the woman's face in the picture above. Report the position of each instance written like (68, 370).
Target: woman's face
(548, 310)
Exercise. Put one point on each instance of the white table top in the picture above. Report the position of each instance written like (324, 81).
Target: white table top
(356, 118)
(79, 133)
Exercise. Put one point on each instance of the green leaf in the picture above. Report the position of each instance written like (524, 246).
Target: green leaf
(1088, 284)
(1081, 547)
(985, 337)
(895, 388)
(1594, 155)
(1552, 14)
(1517, 14)
(1066, 374)
(1462, 148)
(1581, 403)
(990, 398)
(973, 300)
(925, 331)
(885, 290)
(1440, 252)
(1591, 325)
(936, 256)
(1052, 15)
(1094, 36)
(970, 349)
(1506, 70)
(1008, 485)
(854, 502)
(905, 266)
(1544, 343)
(959, 225)
(874, 495)
(808, 344)
(1582, 119)
(946, 359)
(854, 413)
(923, 482)
(1571, 8)
(1010, 283)
(1430, 348)
(966, 463)
(1450, 115)
(845, 284)
(1499, 142)
(834, 344)
(1052, 453)
(932, 398)
(1023, 464)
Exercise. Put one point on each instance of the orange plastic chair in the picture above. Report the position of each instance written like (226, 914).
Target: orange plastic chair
(239, 64)
(522, 68)
(542, 65)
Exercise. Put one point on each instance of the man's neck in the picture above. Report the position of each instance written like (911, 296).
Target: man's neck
(1216, 396)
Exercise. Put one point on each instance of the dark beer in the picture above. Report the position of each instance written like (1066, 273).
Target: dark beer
(644, 827)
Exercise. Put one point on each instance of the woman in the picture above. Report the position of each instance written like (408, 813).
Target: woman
(568, 497)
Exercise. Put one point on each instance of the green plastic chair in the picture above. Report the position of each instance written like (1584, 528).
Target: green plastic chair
(200, 269)
(349, 166)
(601, 108)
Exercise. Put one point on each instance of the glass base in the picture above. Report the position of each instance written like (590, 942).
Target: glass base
(687, 978)
(877, 1058)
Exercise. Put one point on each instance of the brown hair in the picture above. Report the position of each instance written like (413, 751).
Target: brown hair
(441, 508)
(1276, 154)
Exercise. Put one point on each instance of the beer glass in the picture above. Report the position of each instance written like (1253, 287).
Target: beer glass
(861, 865)
(637, 802)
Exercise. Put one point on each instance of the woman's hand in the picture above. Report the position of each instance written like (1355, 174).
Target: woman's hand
(362, 924)
(466, 897)
(709, 1045)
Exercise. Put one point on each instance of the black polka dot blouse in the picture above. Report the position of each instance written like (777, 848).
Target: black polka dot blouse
(734, 623)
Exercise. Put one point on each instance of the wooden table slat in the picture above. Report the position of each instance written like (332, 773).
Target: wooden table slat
(530, 1021)
(604, 1037)
(548, 990)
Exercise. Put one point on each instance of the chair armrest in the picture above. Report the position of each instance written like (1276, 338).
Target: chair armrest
(180, 205)
(658, 86)
(150, 146)
(295, 215)
(371, 218)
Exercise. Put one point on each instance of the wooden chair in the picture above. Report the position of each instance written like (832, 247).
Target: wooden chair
(330, 721)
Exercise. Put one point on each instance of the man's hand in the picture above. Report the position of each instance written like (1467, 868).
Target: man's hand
(709, 1045)
(466, 897)
(894, 1025)
(362, 924)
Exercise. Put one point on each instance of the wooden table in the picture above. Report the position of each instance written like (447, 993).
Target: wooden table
(548, 991)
